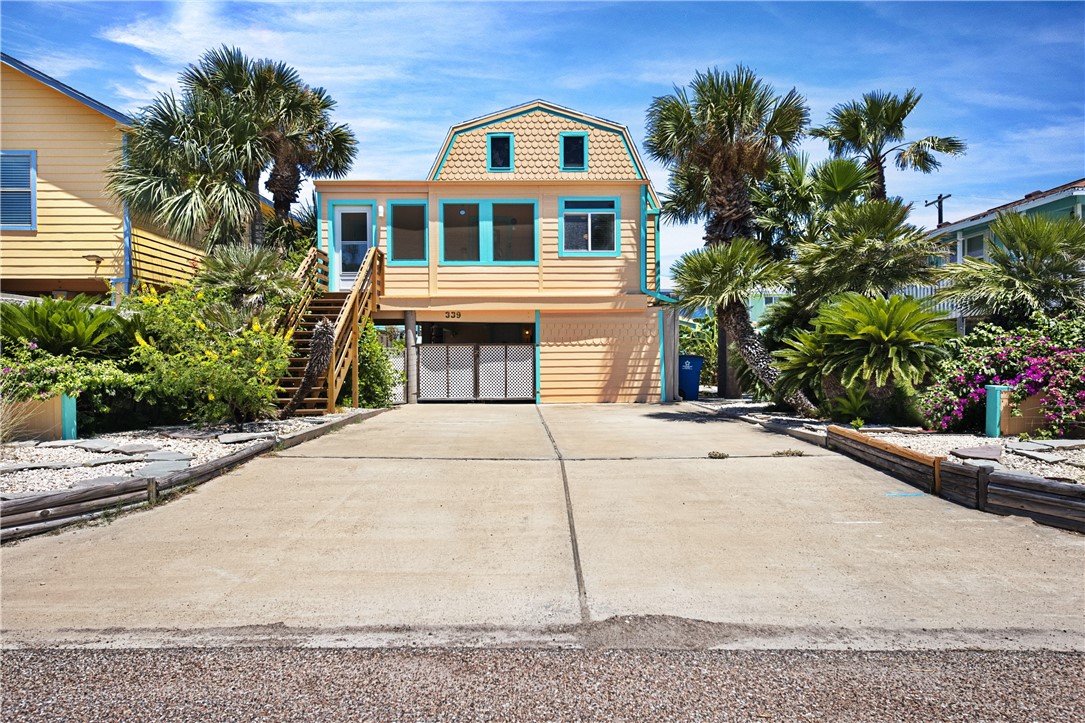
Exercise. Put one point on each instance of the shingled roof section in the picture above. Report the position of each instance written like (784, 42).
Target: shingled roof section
(1029, 198)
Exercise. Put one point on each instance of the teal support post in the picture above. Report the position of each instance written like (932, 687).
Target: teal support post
(67, 418)
(994, 409)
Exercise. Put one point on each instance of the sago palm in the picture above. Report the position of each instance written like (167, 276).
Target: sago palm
(881, 342)
(1036, 264)
(873, 129)
(722, 277)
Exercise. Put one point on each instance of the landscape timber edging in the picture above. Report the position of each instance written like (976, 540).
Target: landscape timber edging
(36, 514)
(1001, 492)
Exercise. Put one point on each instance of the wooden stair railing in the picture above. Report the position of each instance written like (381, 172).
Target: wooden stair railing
(362, 302)
(312, 280)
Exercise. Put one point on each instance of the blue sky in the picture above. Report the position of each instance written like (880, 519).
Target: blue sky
(1008, 77)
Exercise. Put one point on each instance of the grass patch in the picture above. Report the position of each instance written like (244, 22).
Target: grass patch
(789, 453)
(718, 455)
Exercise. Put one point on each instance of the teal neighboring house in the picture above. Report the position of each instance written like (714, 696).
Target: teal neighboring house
(972, 236)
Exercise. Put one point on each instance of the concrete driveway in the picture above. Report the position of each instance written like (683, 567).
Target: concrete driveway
(578, 525)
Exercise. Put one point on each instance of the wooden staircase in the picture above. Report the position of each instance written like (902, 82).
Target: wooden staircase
(345, 310)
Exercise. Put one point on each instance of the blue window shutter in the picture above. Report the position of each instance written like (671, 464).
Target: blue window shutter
(16, 189)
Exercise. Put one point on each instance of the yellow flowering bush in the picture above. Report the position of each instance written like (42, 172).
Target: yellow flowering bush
(213, 373)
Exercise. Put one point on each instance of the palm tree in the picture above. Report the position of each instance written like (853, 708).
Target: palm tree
(873, 130)
(869, 248)
(290, 118)
(793, 202)
(1037, 264)
(179, 170)
(722, 276)
(718, 138)
(194, 165)
(250, 278)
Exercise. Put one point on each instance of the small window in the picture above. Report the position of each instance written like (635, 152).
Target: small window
(974, 247)
(770, 300)
(407, 237)
(574, 151)
(461, 231)
(17, 192)
(589, 227)
(499, 152)
(354, 239)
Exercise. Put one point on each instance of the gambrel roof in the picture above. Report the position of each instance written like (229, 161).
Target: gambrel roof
(537, 126)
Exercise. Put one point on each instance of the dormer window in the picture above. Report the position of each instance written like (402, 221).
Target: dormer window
(499, 149)
(574, 151)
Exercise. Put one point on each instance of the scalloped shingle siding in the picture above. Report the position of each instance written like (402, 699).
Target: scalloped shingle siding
(536, 154)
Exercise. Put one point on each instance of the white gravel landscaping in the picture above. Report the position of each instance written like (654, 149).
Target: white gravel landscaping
(202, 443)
(1071, 470)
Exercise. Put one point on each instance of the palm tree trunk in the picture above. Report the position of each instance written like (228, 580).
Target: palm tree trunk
(256, 225)
(877, 188)
(736, 318)
(725, 387)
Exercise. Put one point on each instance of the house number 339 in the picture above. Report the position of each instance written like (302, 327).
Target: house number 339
(452, 315)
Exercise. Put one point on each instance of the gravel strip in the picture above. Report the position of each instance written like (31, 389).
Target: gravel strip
(943, 444)
(203, 450)
(1072, 470)
(467, 684)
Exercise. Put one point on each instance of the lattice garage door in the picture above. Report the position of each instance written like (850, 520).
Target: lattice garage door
(476, 371)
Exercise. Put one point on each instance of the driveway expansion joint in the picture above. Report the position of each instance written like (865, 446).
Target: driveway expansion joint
(582, 594)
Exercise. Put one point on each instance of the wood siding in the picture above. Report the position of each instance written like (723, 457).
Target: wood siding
(75, 215)
(613, 281)
(158, 260)
(591, 358)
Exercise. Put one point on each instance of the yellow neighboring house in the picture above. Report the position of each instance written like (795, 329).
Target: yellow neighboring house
(60, 232)
(528, 259)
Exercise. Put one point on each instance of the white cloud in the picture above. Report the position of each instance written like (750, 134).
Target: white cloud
(59, 64)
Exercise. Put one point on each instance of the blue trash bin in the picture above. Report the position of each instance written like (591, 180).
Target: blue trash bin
(689, 376)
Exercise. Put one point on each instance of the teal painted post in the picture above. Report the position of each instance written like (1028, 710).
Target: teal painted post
(994, 409)
(67, 418)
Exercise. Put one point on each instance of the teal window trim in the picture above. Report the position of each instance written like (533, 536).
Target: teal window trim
(486, 231)
(32, 180)
(512, 153)
(391, 258)
(333, 246)
(617, 211)
(623, 134)
(561, 151)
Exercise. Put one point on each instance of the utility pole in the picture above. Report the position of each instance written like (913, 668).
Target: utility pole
(938, 202)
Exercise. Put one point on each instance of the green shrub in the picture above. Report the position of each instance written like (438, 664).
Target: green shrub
(29, 372)
(377, 379)
(863, 347)
(66, 326)
(1046, 357)
(206, 373)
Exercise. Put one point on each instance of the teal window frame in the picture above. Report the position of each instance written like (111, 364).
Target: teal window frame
(561, 151)
(489, 155)
(333, 244)
(486, 231)
(32, 224)
(391, 260)
(616, 210)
